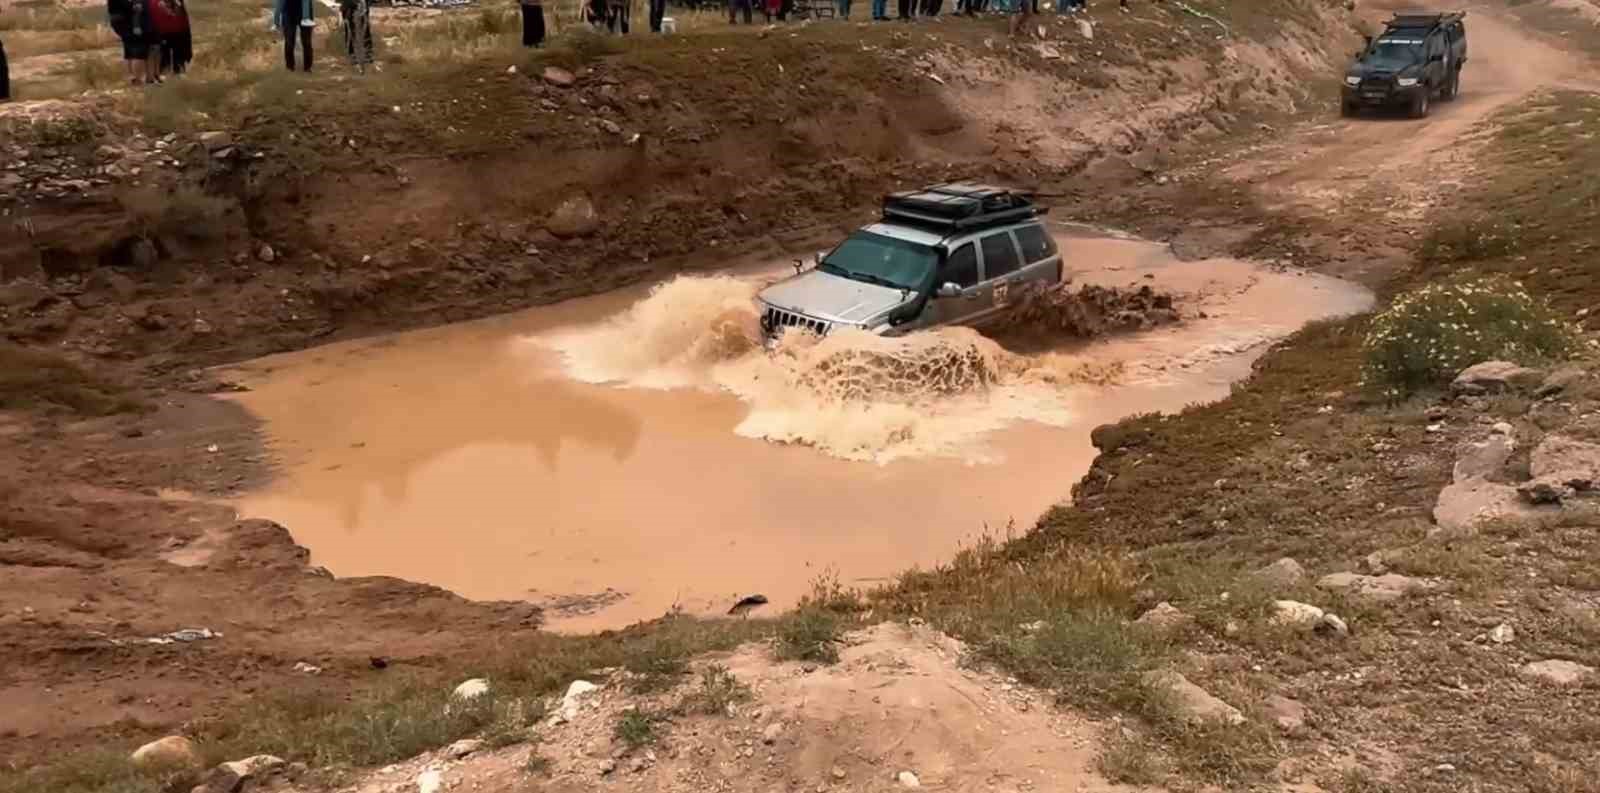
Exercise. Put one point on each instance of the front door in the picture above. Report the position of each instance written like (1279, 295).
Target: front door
(959, 268)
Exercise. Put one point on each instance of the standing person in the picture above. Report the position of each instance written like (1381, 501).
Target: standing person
(844, 9)
(617, 13)
(123, 16)
(356, 17)
(532, 22)
(658, 12)
(880, 10)
(907, 7)
(296, 19)
(171, 19)
(5, 75)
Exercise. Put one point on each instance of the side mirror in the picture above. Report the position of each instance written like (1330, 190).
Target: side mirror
(819, 256)
(1436, 58)
(1369, 42)
(948, 289)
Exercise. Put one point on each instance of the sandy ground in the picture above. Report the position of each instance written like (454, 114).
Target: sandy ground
(899, 701)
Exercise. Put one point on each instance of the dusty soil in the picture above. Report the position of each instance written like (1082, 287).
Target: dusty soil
(898, 701)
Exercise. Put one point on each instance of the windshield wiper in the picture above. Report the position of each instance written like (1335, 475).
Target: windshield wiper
(873, 279)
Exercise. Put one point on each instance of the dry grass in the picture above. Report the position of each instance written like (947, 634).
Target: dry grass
(34, 379)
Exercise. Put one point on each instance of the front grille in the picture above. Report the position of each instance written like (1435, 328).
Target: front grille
(774, 320)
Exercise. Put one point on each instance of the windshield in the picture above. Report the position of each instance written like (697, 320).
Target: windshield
(1395, 52)
(881, 260)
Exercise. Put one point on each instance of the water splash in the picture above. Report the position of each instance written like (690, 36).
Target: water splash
(851, 394)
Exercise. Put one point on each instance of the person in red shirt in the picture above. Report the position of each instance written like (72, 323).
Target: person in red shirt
(171, 21)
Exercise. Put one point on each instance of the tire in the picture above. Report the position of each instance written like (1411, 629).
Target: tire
(1422, 104)
(1348, 110)
(1452, 89)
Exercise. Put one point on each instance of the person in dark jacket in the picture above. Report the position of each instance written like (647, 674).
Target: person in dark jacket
(532, 22)
(658, 12)
(131, 21)
(296, 19)
(736, 6)
(907, 9)
(5, 75)
(356, 17)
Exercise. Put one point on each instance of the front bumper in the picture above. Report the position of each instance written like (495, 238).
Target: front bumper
(1381, 94)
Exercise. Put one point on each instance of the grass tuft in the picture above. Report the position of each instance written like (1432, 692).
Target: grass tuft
(33, 379)
(719, 690)
(636, 727)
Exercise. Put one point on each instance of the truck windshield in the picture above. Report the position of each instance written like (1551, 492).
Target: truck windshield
(885, 261)
(1396, 52)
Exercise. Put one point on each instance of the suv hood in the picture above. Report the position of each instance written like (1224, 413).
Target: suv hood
(834, 298)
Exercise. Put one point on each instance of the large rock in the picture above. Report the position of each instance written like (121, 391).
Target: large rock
(1289, 715)
(242, 775)
(24, 295)
(1390, 586)
(1495, 376)
(574, 217)
(1194, 703)
(1485, 459)
(173, 751)
(1293, 613)
(472, 689)
(1560, 380)
(1164, 616)
(558, 76)
(1560, 672)
(1569, 461)
(572, 701)
(1546, 490)
(1285, 572)
(1463, 507)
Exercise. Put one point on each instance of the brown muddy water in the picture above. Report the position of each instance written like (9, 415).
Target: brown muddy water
(619, 456)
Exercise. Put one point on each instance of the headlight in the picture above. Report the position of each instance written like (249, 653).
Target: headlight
(1406, 82)
(1349, 80)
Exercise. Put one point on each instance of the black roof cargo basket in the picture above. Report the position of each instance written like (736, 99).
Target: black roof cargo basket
(959, 205)
(1427, 20)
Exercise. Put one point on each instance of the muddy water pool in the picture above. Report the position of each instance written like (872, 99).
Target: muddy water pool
(622, 455)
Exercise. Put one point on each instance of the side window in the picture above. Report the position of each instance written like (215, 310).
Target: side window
(1036, 245)
(961, 268)
(999, 255)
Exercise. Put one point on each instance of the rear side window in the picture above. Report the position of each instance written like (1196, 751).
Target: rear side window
(1036, 245)
(999, 255)
(961, 268)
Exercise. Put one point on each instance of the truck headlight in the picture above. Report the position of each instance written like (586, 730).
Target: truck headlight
(1349, 80)
(1406, 82)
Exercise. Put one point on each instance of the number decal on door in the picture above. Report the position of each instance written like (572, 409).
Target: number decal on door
(1000, 290)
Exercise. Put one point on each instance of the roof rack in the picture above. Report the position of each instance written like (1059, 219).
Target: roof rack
(959, 205)
(1424, 19)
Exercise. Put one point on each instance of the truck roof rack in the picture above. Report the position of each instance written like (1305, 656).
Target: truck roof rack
(957, 206)
(1424, 19)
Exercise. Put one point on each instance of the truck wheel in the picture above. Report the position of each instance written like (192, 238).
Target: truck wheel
(1452, 89)
(1419, 106)
(1348, 110)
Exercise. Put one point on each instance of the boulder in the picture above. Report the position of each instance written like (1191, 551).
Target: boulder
(1289, 715)
(559, 77)
(1495, 376)
(1464, 506)
(574, 217)
(1285, 572)
(471, 689)
(1546, 490)
(1389, 586)
(1485, 459)
(1332, 623)
(173, 751)
(908, 780)
(772, 733)
(572, 702)
(1503, 634)
(462, 748)
(1293, 613)
(240, 775)
(1559, 381)
(1164, 616)
(1557, 671)
(430, 781)
(1111, 437)
(1573, 462)
(1194, 703)
(216, 139)
(24, 295)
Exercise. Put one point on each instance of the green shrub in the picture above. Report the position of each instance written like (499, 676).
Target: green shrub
(1428, 336)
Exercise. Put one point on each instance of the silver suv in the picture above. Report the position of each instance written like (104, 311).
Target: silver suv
(948, 254)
